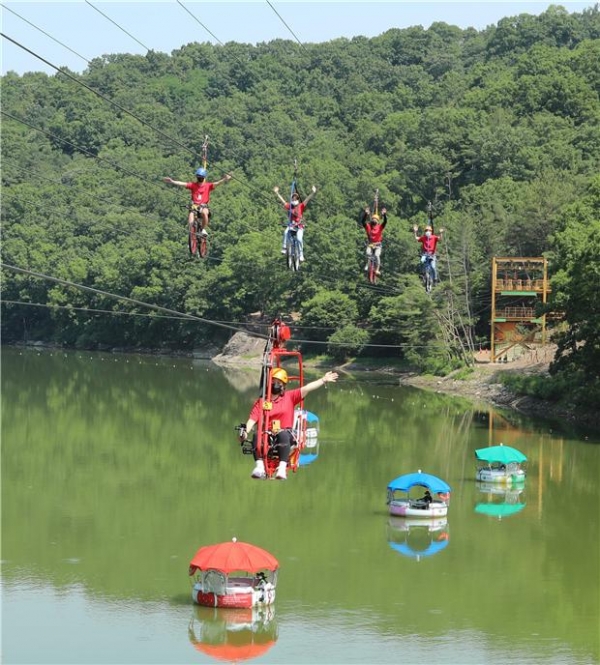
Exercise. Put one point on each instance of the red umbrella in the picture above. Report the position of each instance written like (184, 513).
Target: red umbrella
(233, 556)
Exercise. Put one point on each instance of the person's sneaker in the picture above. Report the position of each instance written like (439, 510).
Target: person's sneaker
(366, 267)
(301, 258)
(284, 251)
(259, 470)
(204, 232)
(281, 471)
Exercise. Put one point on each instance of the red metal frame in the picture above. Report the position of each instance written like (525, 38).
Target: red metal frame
(274, 357)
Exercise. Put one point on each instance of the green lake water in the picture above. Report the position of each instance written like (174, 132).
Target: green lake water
(117, 468)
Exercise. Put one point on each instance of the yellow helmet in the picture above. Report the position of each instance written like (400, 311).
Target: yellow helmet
(375, 218)
(428, 228)
(280, 374)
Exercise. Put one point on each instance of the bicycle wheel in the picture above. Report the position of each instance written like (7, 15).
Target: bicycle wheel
(193, 240)
(428, 279)
(372, 274)
(296, 255)
(293, 258)
(203, 246)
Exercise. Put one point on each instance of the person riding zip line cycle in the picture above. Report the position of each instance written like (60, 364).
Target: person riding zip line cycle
(295, 209)
(374, 226)
(429, 241)
(200, 190)
(283, 405)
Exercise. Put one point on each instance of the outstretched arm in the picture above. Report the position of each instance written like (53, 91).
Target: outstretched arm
(309, 197)
(179, 183)
(330, 377)
(225, 178)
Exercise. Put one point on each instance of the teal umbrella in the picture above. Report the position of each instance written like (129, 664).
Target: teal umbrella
(503, 454)
(499, 509)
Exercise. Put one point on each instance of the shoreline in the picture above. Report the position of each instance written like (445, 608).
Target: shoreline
(481, 385)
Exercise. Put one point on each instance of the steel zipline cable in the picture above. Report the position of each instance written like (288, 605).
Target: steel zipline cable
(141, 303)
(174, 313)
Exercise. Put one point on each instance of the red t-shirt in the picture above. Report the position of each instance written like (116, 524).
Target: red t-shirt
(283, 408)
(200, 191)
(374, 232)
(429, 244)
(297, 213)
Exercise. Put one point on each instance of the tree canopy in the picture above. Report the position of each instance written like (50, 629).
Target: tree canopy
(497, 128)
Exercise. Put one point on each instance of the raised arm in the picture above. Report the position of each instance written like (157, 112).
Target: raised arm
(276, 190)
(383, 217)
(364, 216)
(416, 232)
(312, 193)
(330, 377)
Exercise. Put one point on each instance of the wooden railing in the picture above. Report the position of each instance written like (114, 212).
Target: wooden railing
(508, 284)
(526, 313)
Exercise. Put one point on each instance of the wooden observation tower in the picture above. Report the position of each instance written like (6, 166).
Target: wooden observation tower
(518, 284)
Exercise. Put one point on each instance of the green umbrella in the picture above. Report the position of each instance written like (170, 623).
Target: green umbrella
(501, 453)
(499, 509)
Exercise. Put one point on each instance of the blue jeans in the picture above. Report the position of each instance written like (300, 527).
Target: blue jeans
(299, 236)
(433, 260)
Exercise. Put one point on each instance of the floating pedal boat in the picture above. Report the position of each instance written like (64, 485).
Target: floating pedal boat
(500, 464)
(233, 574)
(434, 504)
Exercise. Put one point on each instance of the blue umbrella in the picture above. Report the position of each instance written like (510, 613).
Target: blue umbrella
(420, 479)
(434, 547)
(306, 459)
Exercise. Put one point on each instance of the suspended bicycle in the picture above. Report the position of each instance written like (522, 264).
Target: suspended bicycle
(372, 262)
(428, 274)
(197, 241)
(292, 248)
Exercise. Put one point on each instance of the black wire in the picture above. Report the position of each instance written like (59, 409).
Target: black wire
(99, 94)
(46, 33)
(118, 26)
(199, 22)
(73, 145)
(286, 25)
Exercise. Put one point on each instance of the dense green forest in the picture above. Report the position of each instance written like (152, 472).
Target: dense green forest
(499, 129)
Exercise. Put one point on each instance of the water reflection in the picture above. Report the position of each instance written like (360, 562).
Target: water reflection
(233, 635)
(310, 452)
(501, 501)
(418, 538)
(108, 458)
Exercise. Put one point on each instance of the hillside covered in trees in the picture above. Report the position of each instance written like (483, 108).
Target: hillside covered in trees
(499, 128)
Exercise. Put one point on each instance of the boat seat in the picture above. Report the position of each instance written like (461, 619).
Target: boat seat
(214, 581)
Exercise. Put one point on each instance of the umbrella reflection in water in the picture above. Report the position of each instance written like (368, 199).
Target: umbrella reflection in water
(233, 635)
(418, 538)
(503, 501)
